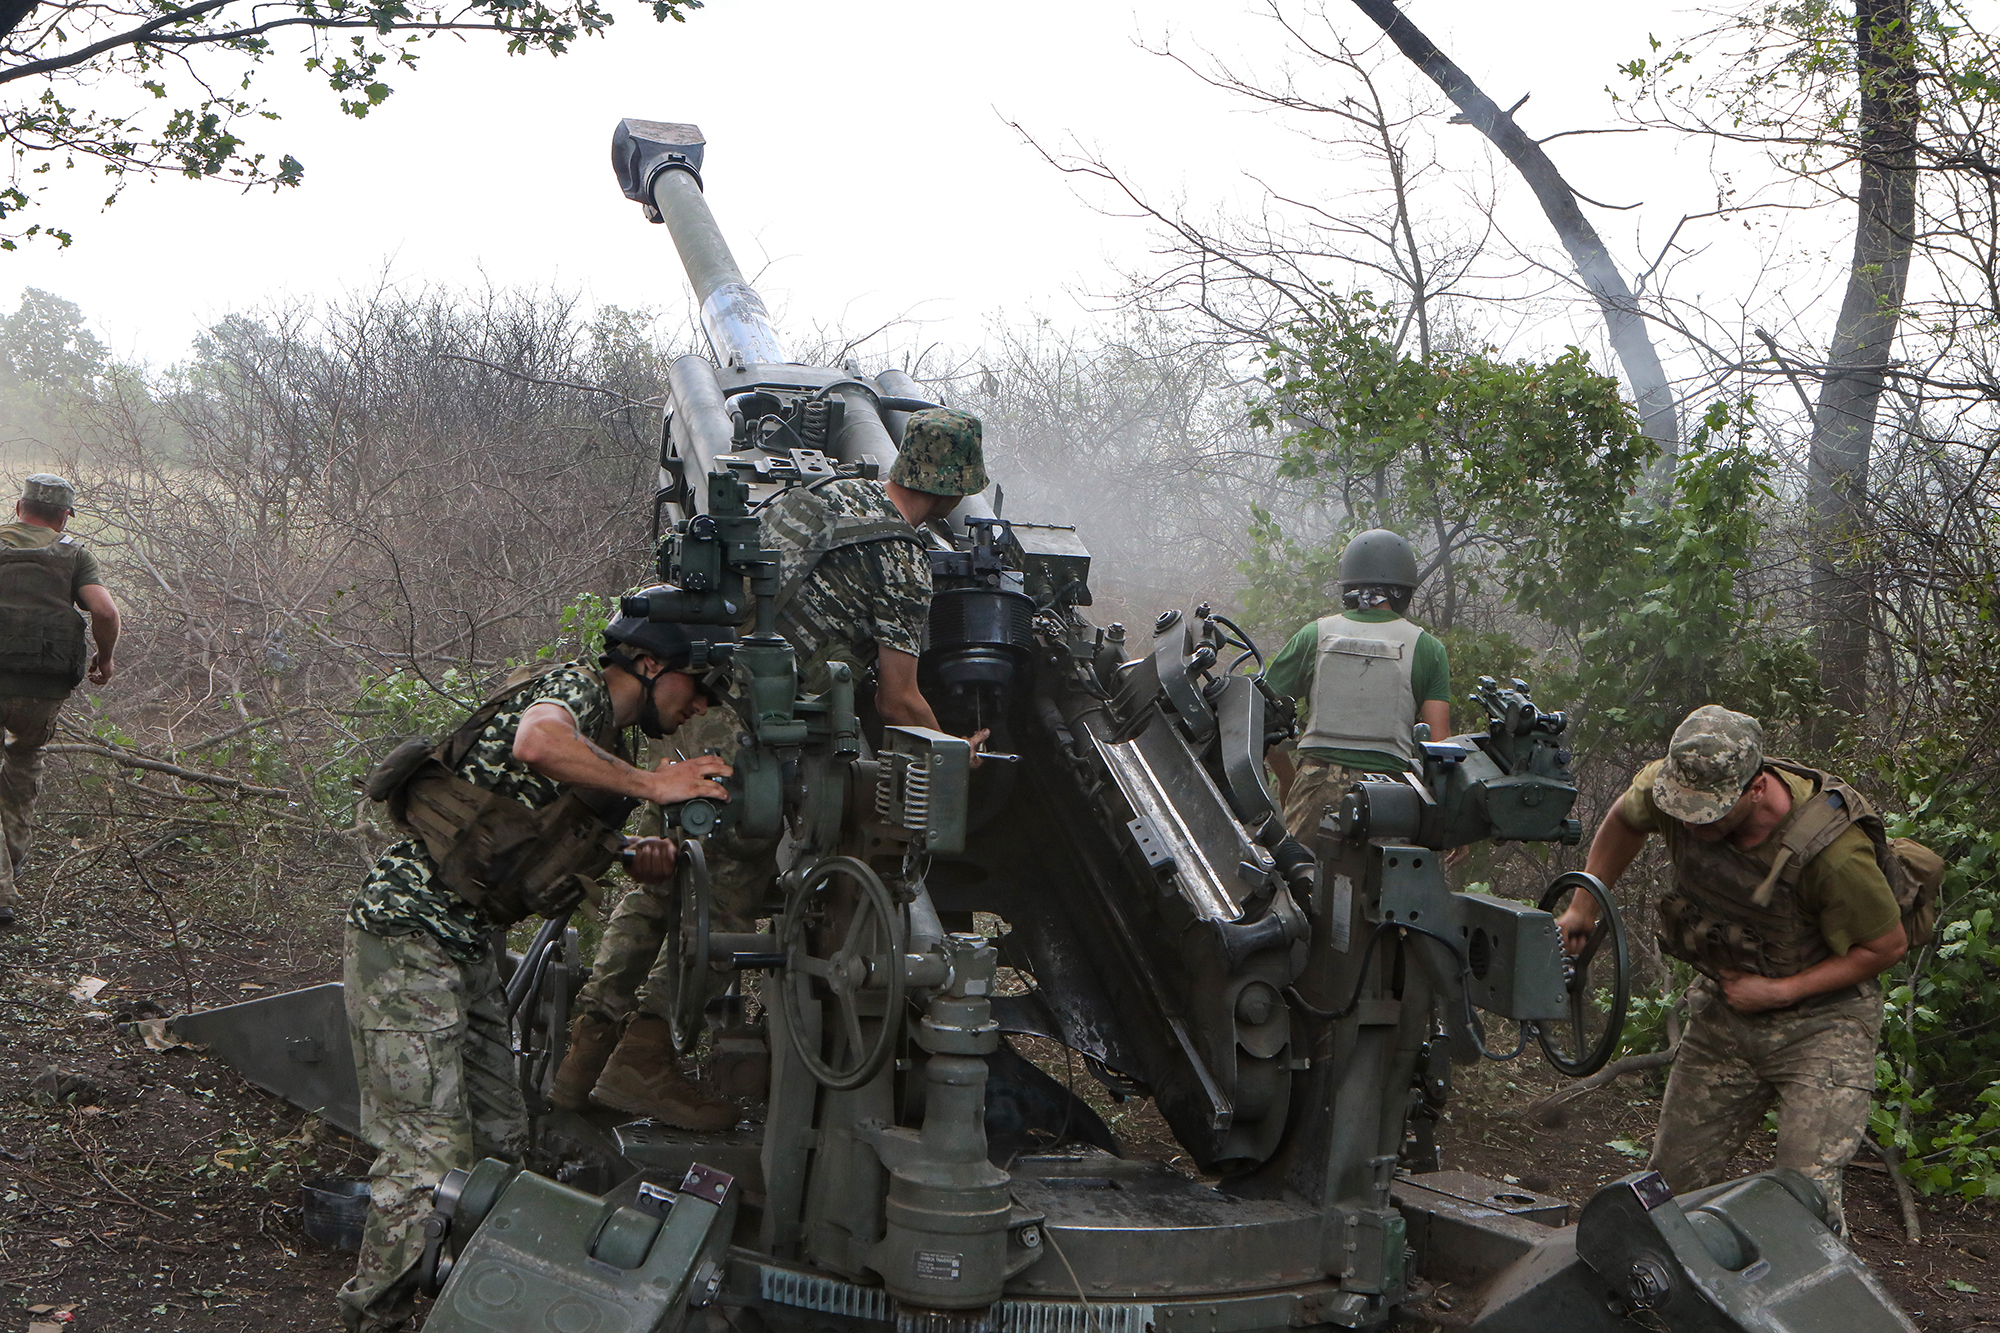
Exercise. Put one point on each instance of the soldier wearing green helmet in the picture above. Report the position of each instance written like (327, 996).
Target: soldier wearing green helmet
(1363, 677)
(855, 588)
(46, 575)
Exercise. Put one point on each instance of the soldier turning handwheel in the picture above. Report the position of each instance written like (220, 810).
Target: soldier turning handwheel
(1782, 900)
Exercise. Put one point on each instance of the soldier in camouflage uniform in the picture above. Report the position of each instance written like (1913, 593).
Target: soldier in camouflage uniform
(425, 1008)
(1787, 1008)
(856, 588)
(45, 575)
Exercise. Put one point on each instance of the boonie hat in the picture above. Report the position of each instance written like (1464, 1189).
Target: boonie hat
(942, 453)
(1714, 756)
(46, 488)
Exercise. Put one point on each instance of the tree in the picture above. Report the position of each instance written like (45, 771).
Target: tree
(44, 344)
(1520, 468)
(1843, 428)
(1594, 265)
(196, 63)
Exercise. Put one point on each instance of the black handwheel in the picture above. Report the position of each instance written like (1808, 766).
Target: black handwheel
(869, 957)
(686, 946)
(1580, 1042)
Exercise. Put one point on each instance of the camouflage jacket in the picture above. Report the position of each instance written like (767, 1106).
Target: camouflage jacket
(402, 894)
(859, 599)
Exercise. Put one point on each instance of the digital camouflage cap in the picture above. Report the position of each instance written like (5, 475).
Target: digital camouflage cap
(941, 454)
(1714, 756)
(46, 488)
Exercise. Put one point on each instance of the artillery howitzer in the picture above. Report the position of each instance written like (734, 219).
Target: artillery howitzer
(1292, 1011)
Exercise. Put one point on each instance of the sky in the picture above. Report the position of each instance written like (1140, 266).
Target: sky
(862, 158)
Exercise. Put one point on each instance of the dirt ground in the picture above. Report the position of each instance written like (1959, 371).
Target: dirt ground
(155, 1190)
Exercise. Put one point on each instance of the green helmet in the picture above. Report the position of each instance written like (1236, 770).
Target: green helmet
(1379, 556)
(941, 453)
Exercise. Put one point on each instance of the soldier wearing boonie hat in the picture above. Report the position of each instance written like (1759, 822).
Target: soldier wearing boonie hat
(942, 454)
(1714, 757)
(1786, 1008)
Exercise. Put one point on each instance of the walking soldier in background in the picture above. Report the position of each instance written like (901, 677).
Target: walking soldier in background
(511, 815)
(45, 575)
(856, 589)
(1789, 900)
(1364, 677)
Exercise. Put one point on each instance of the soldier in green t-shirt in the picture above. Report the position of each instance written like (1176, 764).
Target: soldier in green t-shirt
(1363, 677)
(1787, 1008)
(45, 576)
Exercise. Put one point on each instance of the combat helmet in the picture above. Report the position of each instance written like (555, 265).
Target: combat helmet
(679, 646)
(1379, 557)
(942, 453)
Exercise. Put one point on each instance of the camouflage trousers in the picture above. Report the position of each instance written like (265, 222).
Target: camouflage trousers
(1317, 787)
(1815, 1060)
(437, 1091)
(630, 973)
(26, 725)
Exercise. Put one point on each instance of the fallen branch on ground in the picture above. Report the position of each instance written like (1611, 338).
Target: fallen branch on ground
(161, 766)
(1611, 1073)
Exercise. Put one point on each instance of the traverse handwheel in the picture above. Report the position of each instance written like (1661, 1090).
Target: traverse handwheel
(1596, 983)
(686, 946)
(869, 958)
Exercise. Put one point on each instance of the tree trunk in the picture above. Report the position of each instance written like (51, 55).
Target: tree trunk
(1629, 336)
(1857, 361)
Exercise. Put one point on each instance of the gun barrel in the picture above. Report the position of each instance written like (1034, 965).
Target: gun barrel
(659, 164)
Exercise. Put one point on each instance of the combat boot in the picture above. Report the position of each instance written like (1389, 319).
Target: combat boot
(591, 1039)
(641, 1079)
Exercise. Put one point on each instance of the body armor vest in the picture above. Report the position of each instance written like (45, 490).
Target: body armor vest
(1362, 697)
(1737, 908)
(41, 631)
(508, 859)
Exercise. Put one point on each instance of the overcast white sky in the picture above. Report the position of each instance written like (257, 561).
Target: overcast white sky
(859, 153)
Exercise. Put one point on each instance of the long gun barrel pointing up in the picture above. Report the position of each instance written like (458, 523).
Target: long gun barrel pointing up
(659, 165)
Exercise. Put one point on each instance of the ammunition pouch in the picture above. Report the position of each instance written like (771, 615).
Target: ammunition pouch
(507, 859)
(43, 641)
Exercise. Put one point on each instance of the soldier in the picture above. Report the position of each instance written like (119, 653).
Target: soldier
(504, 812)
(1363, 676)
(856, 589)
(45, 574)
(1781, 902)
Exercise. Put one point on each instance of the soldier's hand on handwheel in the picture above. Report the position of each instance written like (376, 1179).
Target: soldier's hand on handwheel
(978, 738)
(688, 779)
(1577, 922)
(652, 859)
